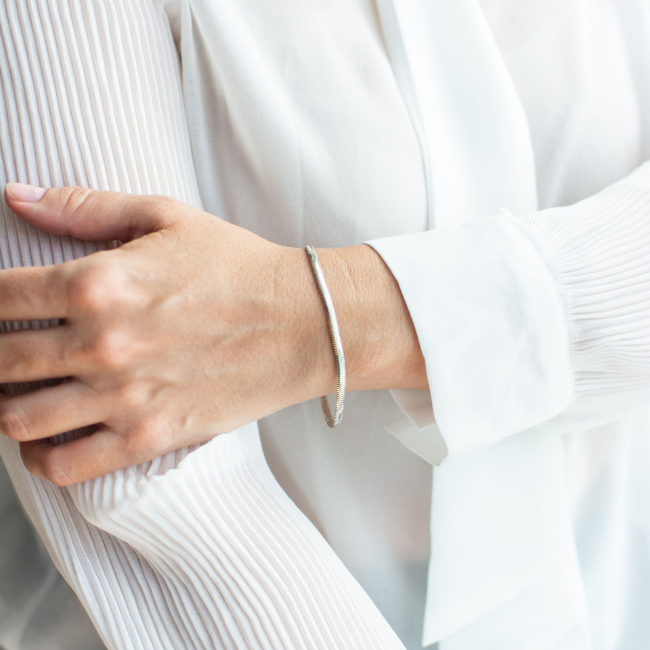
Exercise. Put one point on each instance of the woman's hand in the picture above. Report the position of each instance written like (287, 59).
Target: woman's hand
(192, 328)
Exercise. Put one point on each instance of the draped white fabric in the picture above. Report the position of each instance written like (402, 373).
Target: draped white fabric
(333, 124)
(197, 551)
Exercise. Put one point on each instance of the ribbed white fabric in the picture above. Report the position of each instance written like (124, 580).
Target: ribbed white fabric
(598, 255)
(305, 137)
(200, 548)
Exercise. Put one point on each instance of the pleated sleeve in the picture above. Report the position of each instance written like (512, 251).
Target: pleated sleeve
(201, 548)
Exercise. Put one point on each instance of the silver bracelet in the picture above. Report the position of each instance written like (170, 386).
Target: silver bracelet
(332, 420)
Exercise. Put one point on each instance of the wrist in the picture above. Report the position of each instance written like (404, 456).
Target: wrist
(306, 340)
(381, 346)
(379, 340)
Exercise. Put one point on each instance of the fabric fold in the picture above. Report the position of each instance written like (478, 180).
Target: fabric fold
(258, 574)
(200, 548)
(490, 326)
(494, 341)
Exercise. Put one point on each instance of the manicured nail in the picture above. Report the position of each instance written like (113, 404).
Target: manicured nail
(25, 193)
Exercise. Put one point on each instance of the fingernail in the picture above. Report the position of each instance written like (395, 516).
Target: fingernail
(25, 193)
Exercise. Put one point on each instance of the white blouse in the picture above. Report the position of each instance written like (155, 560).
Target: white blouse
(447, 135)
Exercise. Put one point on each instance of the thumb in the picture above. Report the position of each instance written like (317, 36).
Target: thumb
(88, 214)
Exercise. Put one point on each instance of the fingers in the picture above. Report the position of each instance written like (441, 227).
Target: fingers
(98, 454)
(34, 293)
(34, 355)
(76, 461)
(83, 287)
(43, 293)
(89, 214)
(50, 411)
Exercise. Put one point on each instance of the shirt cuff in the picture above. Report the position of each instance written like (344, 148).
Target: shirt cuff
(491, 328)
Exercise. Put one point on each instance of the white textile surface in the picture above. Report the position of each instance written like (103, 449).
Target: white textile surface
(201, 548)
(512, 127)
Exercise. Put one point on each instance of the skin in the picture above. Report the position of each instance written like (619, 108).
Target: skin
(193, 327)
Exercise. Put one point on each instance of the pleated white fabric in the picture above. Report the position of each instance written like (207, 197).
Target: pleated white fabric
(333, 124)
(201, 548)
(597, 255)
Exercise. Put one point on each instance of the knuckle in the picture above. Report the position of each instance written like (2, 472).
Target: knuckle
(165, 206)
(93, 290)
(76, 198)
(164, 202)
(14, 424)
(152, 436)
(54, 472)
(132, 395)
(108, 349)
